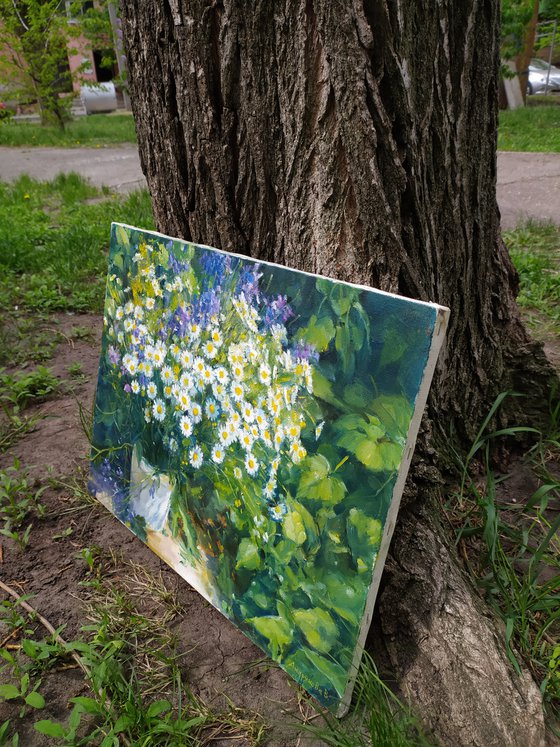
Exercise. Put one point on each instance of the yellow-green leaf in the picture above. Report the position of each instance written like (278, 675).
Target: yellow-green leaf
(318, 627)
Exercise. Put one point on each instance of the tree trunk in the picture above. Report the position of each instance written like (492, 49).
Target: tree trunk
(524, 57)
(358, 140)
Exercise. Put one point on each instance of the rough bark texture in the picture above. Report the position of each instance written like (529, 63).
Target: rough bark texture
(357, 140)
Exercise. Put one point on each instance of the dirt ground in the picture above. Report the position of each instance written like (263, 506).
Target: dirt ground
(219, 662)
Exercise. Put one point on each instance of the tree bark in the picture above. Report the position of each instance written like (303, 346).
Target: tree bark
(358, 140)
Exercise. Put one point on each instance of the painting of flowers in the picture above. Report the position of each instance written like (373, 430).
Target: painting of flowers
(252, 425)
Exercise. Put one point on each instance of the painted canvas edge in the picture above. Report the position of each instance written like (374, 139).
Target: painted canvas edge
(438, 338)
(247, 258)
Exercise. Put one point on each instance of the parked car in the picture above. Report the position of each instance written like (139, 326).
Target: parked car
(99, 97)
(538, 70)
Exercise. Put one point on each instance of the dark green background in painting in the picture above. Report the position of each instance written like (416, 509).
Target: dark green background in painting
(371, 352)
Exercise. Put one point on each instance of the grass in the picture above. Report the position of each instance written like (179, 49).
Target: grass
(530, 129)
(512, 547)
(378, 717)
(94, 131)
(19, 503)
(535, 251)
(132, 666)
(56, 259)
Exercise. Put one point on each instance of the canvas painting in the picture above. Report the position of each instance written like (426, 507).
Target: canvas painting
(253, 425)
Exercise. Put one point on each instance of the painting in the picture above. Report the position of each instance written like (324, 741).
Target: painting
(253, 425)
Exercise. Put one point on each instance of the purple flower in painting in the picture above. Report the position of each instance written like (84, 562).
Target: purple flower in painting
(248, 282)
(278, 311)
(175, 265)
(113, 355)
(127, 388)
(306, 351)
(215, 267)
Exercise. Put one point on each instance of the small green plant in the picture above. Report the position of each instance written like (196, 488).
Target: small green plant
(19, 500)
(21, 389)
(533, 128)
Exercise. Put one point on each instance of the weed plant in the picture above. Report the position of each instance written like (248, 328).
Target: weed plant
(513, 549)
(20, 503)
(95, 130)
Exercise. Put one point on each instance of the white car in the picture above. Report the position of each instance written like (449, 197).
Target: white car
(538, 71)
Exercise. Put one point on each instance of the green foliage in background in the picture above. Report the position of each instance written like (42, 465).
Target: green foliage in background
(95, 130)
(56, 254)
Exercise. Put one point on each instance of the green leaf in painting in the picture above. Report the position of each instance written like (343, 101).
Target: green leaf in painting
(318, 627)
(317, 484)
(294, 528)
(364, 536)
(317, 671)
(319, 333)
(248, 555)
(394, 412)
(276, 630)
(122, 236)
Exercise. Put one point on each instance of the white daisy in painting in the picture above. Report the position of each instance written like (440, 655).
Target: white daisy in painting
(196, 456)
(246, 440)
(148, 370)
(264, 375)
(148, 414)
(194, 330)
(218, 454)
(237, 391)
(269, 488)
(278, 438)
(221, 376)
(168, 391)
(183, 399)
(216, 337)
(128, 325)
(119, 313)
(209, 349)
(130, 362)
(211, 409)
(186, 426)
(247, 412)
(260, 418)
(237, 473)
(277, 512)
(167, 375)
(159, 353)
(207, 376)
(186, 381)
(219, 391)
(135, 386)
(151, 390)
(225, 435)
(150, 303)
(196, 412)
(129, 307)
(237, 371)
(159, 409)
(251, 465)
(185, 358)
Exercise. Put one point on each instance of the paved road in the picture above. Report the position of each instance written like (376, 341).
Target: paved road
(528, 183)
(118, 167)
